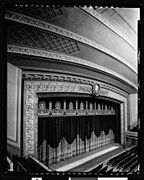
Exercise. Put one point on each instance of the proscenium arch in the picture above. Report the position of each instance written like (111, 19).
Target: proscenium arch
(48, 83)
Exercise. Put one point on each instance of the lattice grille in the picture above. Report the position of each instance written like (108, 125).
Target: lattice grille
(24, 35)
(42, 13)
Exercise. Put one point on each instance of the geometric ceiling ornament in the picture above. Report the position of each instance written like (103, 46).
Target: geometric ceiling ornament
(27, 36)
(42, 13)
(33, 22)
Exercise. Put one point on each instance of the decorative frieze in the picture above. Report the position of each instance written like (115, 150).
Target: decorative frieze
(68, 112)
(46, 54)
(10, 15)
(104, 88)
(53, 86)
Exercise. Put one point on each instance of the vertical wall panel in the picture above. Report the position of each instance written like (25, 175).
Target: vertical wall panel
(132, 110)
(13, 106)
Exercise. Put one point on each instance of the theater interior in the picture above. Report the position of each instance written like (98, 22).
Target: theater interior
(72, 89)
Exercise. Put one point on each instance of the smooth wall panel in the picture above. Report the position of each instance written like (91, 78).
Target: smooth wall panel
(13, 104)
(132, 110)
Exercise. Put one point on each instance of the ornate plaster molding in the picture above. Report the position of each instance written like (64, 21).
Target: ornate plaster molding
(13, 16)
(57, 86)
(51, 55)
(122, 122)
(27, 36)
(109, 24)
(72, 79)
(31, 88)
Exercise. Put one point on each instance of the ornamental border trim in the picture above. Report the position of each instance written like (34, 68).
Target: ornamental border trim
(57, 56)
(24, 19)
(72, 79)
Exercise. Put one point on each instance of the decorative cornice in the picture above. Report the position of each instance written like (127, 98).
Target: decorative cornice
(46, 54)
(109, 24)
(13, 16)
(55, 77)
(72, 79)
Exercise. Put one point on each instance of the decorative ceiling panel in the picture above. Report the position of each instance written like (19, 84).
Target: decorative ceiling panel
(107, 18)
(42, 13)
(23, 19)
(27, 36)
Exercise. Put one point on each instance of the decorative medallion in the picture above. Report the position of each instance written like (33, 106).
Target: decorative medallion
(96, 89)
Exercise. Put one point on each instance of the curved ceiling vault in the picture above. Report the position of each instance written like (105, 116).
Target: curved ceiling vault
(105, 39)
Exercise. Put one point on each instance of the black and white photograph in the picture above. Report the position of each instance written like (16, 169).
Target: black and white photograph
(72, 89)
